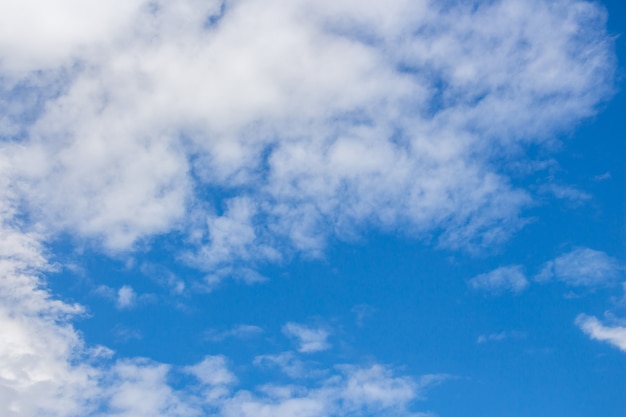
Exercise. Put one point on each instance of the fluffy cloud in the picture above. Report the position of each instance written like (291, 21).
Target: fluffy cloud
(506, 278)
(126, 297)
(259, 128)
(614, 335)
(352, 391)
(255, 129)
(582, 267)
(38, 346)
(310, 339)
(45, 368)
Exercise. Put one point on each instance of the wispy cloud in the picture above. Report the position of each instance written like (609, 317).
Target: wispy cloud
(504, 279)
(289, 364)
(361, 312)
(582, 267)
(240, 331)
(499, 337)
(125, 297)
(566, 192)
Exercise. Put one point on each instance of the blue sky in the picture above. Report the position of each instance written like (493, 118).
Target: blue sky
(297, 208)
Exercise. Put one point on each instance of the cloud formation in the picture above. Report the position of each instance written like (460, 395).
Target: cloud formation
(499, 337)
(500, 280)
(582, 267)
(259, 128)
(309, 339)
(614, 335)
(255, 130)
(240, 331)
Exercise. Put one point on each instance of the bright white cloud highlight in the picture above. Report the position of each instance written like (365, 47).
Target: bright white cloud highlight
(583, 267)
(504, 279)
(309, 339)
(614, 335)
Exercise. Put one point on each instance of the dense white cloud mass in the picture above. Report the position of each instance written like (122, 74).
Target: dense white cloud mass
(319, 116)
(615, 335)
(37, 345)
(506, 278)
(582, 267)
(256, 129)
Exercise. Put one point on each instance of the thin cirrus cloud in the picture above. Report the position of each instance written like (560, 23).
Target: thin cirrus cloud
(240, 331)
(290, 364)
(499, 337)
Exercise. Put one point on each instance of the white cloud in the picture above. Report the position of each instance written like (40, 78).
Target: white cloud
(614, 335)
(310, 339)
(289, 364)
(37, 35)
(503, 279)
(298, 119)
(353, 391)
(164, 277)
(283, 123)
(565, 192)
(126, 297)
(38, 374)
(582, 267)
(46, 370)
(213, 371)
